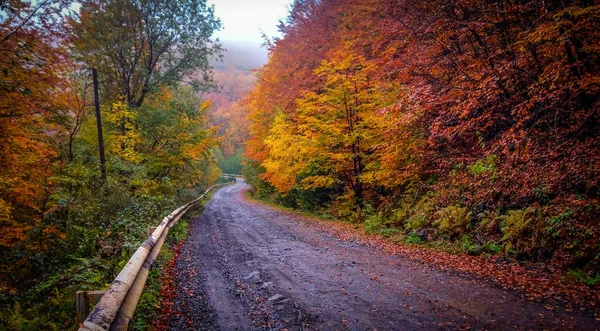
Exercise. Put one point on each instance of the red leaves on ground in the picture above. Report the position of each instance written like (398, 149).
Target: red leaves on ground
(168, 292)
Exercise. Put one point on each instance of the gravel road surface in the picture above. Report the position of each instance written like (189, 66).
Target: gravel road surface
(247, 266)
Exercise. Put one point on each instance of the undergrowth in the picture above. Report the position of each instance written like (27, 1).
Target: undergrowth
(149, 303)
(50, 303)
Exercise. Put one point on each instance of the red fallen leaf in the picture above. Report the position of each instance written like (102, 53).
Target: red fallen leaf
(168, 293)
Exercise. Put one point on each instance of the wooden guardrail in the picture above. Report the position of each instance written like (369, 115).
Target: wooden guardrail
(231, 175)
(115, 307)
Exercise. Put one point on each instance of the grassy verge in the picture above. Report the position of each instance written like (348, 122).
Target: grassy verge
(149, 304)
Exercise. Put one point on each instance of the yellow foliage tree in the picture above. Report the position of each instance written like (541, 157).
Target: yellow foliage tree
(288, 150)
(125, 137)
(342, 122)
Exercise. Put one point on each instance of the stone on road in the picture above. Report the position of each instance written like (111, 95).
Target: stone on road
(246, 266)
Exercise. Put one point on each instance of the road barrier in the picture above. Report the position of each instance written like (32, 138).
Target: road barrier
(116, 306)
(231, 175)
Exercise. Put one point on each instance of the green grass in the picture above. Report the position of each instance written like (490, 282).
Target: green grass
(413, 238)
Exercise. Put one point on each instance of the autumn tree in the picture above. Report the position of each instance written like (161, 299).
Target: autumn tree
(32, 61)
(336, 132)
(175, 142)
(309, 34)
(138, 46)
(160, 142)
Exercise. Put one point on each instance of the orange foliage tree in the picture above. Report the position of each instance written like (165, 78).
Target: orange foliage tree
(30, 87)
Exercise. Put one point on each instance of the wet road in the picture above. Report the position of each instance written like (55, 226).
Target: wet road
(247, 266)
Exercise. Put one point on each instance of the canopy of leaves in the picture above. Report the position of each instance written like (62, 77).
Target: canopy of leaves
(138, 46)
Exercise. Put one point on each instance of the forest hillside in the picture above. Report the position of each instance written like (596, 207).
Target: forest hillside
(235, 75)
(467, 125)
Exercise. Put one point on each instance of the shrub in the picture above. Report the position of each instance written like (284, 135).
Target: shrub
(373, 224)
(420, 214)
(521, 230)
(483, 166)
(453, 220)
(493, 247)
(584, 278)
(414, 238)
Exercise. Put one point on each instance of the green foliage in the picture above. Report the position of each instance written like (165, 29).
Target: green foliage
(373, 224)
(557, 223)
(252, 172)
(493, 247)
(584, 277)
(414, 238)
(229, 164)
(483, 166)
(521, 230)
(225, 180)
(453, 220)
(467, 245)
(178, 233)
(179, 31)
(420, 214)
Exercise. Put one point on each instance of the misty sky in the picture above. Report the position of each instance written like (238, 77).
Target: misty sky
(243, 19)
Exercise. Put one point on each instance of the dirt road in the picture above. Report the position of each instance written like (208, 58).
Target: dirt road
(247, 266)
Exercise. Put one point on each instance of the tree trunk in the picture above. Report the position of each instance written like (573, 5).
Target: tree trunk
(99, 125)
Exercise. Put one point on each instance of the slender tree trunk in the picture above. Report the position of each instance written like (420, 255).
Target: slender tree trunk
(71, 156)
(99, 124)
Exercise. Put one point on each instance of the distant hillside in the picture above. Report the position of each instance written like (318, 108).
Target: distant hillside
(235, 78)
(242, 56)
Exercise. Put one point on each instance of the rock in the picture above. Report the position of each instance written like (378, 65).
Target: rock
(276, 297)
(266, 285)
(421, 234)
(253, 274)
(253, 277)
